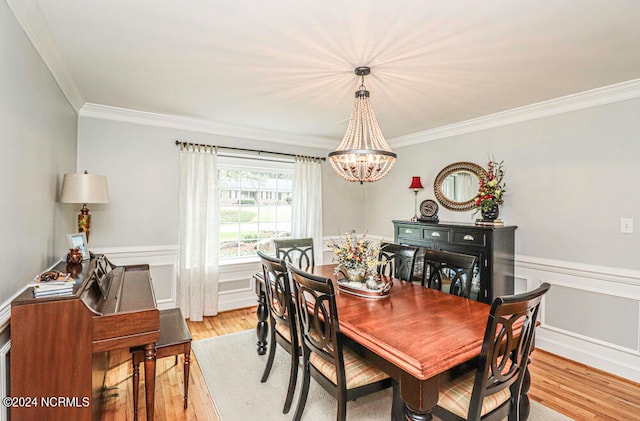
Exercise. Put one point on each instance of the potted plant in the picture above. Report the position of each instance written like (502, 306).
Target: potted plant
(357, 256)
(491, 191)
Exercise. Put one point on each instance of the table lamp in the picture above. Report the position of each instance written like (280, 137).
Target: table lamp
(84, 188)
(415, 185)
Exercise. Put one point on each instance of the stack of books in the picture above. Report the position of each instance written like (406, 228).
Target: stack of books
(52, 284)
(490, 222)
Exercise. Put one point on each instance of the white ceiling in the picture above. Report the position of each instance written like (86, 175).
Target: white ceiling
(287, 65)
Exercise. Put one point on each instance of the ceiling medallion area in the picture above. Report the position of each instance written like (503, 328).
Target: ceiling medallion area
(363, 155)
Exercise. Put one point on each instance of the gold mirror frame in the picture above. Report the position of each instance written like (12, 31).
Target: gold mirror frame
(470, 167)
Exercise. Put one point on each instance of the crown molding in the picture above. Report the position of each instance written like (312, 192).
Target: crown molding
(30, 17)
(125, 115)
(600, 96)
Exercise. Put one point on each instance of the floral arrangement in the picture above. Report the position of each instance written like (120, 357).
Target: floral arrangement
(356, 254)
(492, 189)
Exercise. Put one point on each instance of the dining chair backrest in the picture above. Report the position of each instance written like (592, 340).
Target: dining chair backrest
(297, 251)
(317, 316)
(278, 291)
(449, 271)
(508, 341)
(397, 260)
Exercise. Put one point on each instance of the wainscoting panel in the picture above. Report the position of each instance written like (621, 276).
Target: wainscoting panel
(237, 287)
(590, 315)
(612, 311)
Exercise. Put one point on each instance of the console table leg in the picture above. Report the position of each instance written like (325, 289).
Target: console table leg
(263, 327)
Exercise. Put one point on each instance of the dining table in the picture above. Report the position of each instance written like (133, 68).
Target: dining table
(417, 335)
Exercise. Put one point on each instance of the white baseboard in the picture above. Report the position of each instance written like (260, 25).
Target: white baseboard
(589, 356)
(234, 304)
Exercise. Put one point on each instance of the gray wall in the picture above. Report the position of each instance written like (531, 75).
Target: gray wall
(570, 178)
(141, 165)
(38, 146)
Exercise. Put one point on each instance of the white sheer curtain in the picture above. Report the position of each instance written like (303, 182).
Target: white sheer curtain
(306, 209)
(198, 244)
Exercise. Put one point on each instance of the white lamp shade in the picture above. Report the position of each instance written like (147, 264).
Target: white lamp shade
(84, 188)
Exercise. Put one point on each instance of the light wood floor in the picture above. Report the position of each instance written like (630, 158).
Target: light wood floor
(573, 389)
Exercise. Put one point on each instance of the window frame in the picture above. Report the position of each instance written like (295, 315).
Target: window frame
(249, 163)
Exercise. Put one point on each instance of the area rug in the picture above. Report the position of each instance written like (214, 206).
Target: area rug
(232, 370)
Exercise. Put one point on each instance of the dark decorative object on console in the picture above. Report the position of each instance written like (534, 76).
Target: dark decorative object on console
(493, 246)
(428, 211)
(490, 192)
(491, 214)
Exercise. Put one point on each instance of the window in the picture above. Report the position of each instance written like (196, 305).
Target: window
(255, 205)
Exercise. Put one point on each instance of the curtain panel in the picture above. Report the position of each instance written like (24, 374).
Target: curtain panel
(306, 209)
(198, 237)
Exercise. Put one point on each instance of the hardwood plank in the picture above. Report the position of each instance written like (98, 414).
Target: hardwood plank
(571, 388)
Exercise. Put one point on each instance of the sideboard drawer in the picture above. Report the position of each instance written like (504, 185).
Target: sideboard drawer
(409, 232)
(438, 235)
(469, 238)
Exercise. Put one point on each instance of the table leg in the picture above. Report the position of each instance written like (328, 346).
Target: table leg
(414, 415)
(263, 327)
(150, 378)
(419, 397)
(397, 405)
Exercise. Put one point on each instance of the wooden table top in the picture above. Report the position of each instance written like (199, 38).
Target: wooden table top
(421, 331)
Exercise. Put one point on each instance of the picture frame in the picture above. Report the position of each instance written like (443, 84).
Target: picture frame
(79, 240)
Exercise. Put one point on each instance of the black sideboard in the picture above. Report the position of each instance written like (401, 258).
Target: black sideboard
(494, 247)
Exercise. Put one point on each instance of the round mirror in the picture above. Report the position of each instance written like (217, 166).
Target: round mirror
(457, 184)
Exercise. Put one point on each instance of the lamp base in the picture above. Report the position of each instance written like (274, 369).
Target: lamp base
(414, 218)
(84, 221)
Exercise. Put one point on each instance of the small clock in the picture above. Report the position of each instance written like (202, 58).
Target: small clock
(428, 211)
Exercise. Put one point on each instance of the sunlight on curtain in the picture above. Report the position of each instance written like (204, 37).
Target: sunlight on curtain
(198, 244)
(306, 209)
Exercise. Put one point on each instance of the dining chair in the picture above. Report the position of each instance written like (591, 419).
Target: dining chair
(175, 339)
(298, 251)
(338, 369)
(492, 391)
(448, 271)
(282, 325)
(397, 260)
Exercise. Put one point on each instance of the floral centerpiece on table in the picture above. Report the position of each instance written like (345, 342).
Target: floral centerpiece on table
(357, 256)
(491, 190)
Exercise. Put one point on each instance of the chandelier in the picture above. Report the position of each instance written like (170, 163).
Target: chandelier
(363, 154)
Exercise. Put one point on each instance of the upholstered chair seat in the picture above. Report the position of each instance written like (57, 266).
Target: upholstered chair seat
(358, 372)
(455, 396)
